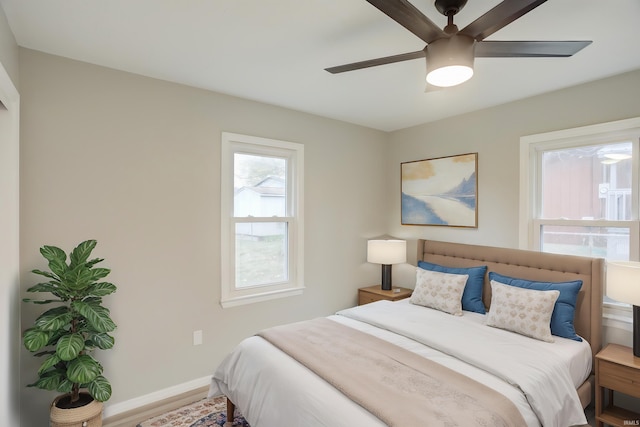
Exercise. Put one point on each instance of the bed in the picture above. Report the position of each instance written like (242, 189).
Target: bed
(273, 388)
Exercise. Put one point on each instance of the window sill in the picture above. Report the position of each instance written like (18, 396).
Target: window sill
(250, 299)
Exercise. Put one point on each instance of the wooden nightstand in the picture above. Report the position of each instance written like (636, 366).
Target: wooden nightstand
(616, 369)
(375, 293)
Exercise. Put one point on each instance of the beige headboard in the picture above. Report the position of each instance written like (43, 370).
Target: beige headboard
(531, 265)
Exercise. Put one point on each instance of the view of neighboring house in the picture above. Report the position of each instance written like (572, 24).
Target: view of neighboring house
(265, 199)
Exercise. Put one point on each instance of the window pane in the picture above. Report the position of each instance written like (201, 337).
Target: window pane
(590, 182)
(611, 243)
(261, 253)
(259, 186)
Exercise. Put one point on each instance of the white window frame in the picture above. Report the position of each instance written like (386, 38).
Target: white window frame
(294, 153)
(531, 150)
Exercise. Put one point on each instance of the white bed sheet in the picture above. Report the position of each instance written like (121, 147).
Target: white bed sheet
(575, 355)
(274, 390)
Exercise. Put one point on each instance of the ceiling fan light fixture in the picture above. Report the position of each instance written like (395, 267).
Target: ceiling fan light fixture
(451, 75)
(450, 60)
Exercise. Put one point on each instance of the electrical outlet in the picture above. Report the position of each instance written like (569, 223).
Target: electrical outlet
(197, 337)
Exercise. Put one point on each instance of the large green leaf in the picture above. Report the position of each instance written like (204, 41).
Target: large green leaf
(78, 279)
(35, 339)
(83, 369)
(80, 254)
(101, 289)
(51, 253)
(49, 363)
(103, 341)
(53, 287)
(70, 346)
(50, 287)
(57, 259)
(41, 301)
(99, 273)
(46, 274)
(58, 266)
(100, 389)
(55, 336)
(54, 319)
(96, 315)
(49, 380)
(65, 385)
(94, 261)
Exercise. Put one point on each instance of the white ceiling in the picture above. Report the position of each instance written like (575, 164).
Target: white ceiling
(275, 51)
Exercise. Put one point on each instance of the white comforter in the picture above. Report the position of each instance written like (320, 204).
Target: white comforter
(273, 390)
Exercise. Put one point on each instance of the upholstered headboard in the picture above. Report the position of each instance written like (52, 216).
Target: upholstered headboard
(531, 265)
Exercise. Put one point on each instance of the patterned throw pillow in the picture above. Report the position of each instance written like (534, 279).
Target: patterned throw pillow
(472, 295)
(524, 311)
(442, 291)
(564, 313)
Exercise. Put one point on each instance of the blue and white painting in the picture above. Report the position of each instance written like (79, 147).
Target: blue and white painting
(441, 191)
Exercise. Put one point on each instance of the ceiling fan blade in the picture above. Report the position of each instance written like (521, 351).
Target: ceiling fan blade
(498, 17)
(375, 62)
(529, 49)
(407, 15)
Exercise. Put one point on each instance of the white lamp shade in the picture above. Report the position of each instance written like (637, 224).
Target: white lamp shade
(623, 281)
(387, 251)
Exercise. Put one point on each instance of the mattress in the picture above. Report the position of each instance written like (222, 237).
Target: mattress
(272, 389)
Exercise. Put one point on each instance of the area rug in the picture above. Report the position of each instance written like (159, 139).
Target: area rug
(203, 413)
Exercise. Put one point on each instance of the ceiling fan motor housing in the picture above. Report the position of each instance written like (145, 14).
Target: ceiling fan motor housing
(457, 51)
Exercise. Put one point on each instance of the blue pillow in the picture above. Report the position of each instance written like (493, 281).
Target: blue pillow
(472, 295)
(564, 310)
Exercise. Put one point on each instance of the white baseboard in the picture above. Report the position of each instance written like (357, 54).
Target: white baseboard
(147, 399)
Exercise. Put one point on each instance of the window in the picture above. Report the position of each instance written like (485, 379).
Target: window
(261, 219)
(579, 191)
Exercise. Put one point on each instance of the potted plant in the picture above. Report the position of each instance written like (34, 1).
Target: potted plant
(66, 334)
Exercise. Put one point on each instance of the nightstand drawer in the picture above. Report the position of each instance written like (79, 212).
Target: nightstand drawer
(375, 293)
(619, 377)
(366, 298)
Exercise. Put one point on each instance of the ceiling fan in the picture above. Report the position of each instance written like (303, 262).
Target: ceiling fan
(450, 52)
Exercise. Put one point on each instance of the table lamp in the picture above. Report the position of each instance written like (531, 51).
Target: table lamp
(623, 284)
(386, 252)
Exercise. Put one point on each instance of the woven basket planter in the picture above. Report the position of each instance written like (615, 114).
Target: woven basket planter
(89, 415)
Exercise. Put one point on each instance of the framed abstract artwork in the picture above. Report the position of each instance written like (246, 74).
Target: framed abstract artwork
(441, 191)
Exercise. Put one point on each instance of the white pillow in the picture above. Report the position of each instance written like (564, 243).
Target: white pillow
(442, 291)
(524, 311)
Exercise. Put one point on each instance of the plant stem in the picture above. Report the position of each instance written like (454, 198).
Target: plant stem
(75, 393)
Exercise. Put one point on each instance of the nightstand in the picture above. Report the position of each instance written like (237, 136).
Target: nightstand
(375, 293)
(616, 369)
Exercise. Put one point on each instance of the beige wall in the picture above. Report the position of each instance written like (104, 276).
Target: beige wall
(134, 163)
(9, 227)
